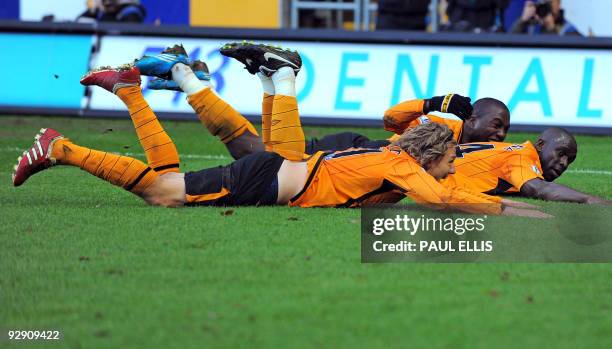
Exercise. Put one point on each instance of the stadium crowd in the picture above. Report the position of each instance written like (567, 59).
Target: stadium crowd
(536, 16)
(492, 16)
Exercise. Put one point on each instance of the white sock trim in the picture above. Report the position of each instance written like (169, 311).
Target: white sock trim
(186, 79)
(266, 84)
(284, 82)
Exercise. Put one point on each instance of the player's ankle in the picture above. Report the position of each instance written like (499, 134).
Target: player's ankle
(58, 151)
(186, 79)
(180, 72)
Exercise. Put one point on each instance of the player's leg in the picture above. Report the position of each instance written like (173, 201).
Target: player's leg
(286, 133)
(244, 53)
(249, 181)
(221, 119)
(266, 108)
(280, 66)
(160, 151)
(51, 148)
(242, 144)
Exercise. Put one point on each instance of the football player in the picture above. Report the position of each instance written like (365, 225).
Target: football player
(526, 169)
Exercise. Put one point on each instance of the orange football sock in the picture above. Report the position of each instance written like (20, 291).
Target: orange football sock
(129, 173)
(161, 152)
(266, 119)
(218, 117)
(286, 134)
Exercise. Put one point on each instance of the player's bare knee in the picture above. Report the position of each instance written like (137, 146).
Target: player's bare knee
(157, 200)
(155, 197)
(167, 202)
(167, 191)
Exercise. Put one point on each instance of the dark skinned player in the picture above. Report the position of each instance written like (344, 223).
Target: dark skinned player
(525, 169)
(487, 120)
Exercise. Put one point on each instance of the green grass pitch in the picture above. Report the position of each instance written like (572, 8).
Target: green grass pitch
(89, 259)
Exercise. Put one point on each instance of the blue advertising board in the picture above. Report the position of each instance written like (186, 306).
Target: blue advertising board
(43, 70)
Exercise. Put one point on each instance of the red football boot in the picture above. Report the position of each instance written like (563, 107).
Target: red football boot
(112, 79)
(38, 157)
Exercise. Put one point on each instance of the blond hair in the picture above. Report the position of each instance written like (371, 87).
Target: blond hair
(426, 143)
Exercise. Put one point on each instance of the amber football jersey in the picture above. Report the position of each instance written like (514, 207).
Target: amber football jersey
(409, 114)
(355, 177)
(494, 167)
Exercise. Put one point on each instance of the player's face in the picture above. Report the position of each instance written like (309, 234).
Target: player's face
(444, 166)
(556, 155)
(490, 127)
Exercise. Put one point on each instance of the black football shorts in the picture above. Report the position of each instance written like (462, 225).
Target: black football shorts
(251, 180)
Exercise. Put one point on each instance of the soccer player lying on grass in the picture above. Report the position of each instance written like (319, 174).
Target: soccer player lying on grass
(526, 169)
(497, 168)
(492, 168)
(487, 120)
(341, 179)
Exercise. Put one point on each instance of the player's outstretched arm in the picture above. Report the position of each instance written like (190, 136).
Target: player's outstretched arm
(508, 207)
(424, 189)
(518, 204)
(463, 200)
(549, 191)
(524, 212)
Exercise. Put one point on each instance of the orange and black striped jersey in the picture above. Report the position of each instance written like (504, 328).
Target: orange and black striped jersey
(494, 167)
(357, 176)
(409, 114)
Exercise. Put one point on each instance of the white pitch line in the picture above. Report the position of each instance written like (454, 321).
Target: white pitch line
(591, 171)
(225, 157)
(183, 156)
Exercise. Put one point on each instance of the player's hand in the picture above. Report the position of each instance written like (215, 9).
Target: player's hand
(451, 103)
(518, 204)
(522, 212)
(593, 200)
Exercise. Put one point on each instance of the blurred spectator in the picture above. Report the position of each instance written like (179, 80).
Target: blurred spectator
(402, 14)
(312, 19)
(126, 11)
(542, 17)
(476, 15)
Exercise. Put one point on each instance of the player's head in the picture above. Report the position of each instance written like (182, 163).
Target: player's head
(557, 149)
(433, 146)
(489, 122)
